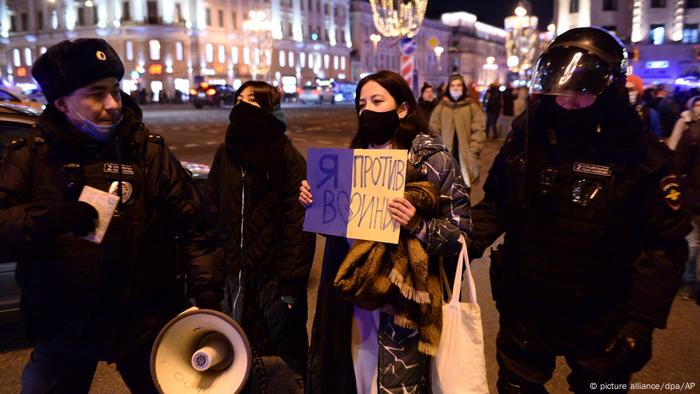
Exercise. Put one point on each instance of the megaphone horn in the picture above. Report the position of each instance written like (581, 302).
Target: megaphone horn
(201, 351)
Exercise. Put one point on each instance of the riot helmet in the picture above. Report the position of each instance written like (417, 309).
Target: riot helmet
(581, 60)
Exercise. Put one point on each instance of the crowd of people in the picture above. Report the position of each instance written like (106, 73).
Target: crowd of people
(594, 210)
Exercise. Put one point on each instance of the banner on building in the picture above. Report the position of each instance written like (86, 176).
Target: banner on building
(352, 189)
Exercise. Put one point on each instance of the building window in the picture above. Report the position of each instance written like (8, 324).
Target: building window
(658, 3)
(246, 55)
(13, 23)
(207, 16)
(95, 17)
(209, 52)
(179, 51)
(220, 13)
(154, 49)
(54, 19)
(282, 59)
(222, 54)
(28, 56)
(234, 55)
(126, 11)
(178, 13)
(234, 22)
(302, 59)
(326, 61)
(335, 62)
(40, 20)
(25, 25)
(129, 49)
(692, 3)
(609, 5)
(573, 6)
(690, 34)
(290, 59)
(657, 34)
(342, 63)
(152, 17)
(81, 16)
(16, 58)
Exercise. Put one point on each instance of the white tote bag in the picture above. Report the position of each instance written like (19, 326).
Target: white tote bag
(460, 366)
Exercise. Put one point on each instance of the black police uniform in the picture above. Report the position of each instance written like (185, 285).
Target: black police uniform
(81, 301)
(593, 239)
(594, 232)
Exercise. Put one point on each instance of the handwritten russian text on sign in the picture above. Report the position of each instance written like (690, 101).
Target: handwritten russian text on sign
(352, 190)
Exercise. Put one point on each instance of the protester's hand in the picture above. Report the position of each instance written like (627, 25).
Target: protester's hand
(305, 197)
(630, 349)
(404, 213)
(77, 217)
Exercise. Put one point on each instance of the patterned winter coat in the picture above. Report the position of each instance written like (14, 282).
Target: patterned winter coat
(330, 361)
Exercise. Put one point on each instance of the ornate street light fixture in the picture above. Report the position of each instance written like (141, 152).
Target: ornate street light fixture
(438, 51)
(375, 38)
(397, 18)
(258, 37)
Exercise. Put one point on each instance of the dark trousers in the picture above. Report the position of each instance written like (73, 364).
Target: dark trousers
(529, 341)
(491, 121)
(51, 371)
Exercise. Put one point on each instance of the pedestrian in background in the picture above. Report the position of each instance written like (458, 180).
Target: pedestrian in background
(668, 109)
(460, 122)
(492, 106)
(507, 111)
(84, 302)
(354, 350)
(427, 100)
(649, 116)
(252, 193)
(688, 164)
(690, 115)
(594, 226)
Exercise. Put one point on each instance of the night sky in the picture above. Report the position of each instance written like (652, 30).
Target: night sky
(491, 11)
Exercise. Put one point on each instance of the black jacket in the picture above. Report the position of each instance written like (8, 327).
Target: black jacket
(587, 222)
(103, 299)
(688, 162)
(253, 191)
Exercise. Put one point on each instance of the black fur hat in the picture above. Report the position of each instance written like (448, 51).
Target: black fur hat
(70, 65)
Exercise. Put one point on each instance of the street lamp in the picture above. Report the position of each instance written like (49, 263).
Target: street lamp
(259, 33)
(375, 38)
(438, 51)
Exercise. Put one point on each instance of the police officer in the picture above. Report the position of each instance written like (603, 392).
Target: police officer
(590, 208)
(84, 301)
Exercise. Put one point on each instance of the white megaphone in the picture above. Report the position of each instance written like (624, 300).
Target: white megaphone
(201, 351)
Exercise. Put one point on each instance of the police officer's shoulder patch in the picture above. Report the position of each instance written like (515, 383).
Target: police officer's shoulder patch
(18, 143)
(156, 138)
(671, 190)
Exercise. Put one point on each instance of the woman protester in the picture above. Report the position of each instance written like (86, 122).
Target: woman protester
(427, 100)
(252, 190)
(360, 343)
(460, 122)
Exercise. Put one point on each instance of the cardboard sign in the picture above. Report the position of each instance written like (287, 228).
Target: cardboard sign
(352, 190)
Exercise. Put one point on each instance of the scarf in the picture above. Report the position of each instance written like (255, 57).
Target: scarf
(255, 138)
(376, 274)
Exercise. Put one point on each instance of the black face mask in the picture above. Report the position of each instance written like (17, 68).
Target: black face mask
(378, 127)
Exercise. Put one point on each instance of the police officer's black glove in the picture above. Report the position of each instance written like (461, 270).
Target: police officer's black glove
(77, 217)
(630, 349)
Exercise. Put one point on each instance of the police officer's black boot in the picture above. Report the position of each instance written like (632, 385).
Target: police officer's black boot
(511, 385)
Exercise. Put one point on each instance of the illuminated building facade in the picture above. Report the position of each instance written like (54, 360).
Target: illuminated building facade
(662, 36)
(169, 44)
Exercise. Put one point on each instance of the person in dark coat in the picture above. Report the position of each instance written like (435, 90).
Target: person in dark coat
(492, 107)
(83, 300)
(688, 164)
(590, 206)
(354, 350)
(252, 191)
(427, 100)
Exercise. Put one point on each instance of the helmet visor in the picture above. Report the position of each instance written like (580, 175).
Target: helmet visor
(567, 70)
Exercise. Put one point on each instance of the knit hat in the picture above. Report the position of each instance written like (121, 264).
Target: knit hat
(70, 65)
(425, 86)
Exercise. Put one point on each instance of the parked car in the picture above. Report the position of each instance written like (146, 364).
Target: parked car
(7, 94)
(213, 95)
(17, 121)
(35, 95)
(317, 94)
